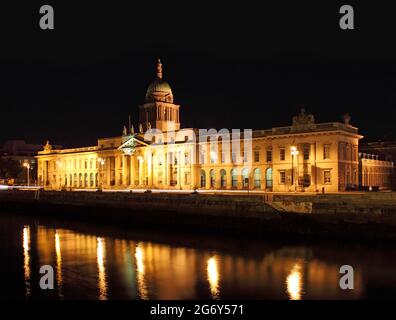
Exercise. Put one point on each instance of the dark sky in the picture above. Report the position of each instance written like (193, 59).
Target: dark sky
(242, 65)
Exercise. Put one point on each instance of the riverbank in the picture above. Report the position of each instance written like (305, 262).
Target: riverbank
(360, 217)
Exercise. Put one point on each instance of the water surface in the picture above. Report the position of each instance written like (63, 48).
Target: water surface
(114, 263)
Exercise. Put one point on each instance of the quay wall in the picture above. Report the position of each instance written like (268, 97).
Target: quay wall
(330, 217)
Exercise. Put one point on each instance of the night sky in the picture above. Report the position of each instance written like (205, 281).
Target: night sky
(242, 65)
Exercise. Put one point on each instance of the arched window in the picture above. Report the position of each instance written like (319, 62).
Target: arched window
(91, 180)
(70, 180)
(96, 179)
(268, 178)
(245, 177)
(223, 178)
(234, 178)
(86, 180)
(212, 178)
(257, 178)
(75, 180)
(203, 179)
(80, 181)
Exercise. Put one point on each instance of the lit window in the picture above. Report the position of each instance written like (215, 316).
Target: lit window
(306, 153)
(327, 176)
(233, 157)
(187, 178)
(186, 158)
(326, 151)
(282, 154)
(245, 156)
(282, 177)
(256, 156)
(269, 155)
(222, 157)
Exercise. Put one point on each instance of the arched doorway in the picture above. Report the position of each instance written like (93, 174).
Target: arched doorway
(203, 179)
(257, 178)
(234, 178)
(212, 178)
(268, 178)
(245, 177)
(223, 178)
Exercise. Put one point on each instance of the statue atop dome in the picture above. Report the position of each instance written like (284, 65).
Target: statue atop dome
(159, 69)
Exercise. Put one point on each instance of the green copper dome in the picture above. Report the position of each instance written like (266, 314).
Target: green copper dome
(158, 86)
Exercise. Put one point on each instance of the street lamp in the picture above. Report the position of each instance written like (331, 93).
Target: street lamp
(27, 166)
(294, 152)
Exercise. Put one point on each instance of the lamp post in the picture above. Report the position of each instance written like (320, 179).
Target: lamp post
(294, 152)
(27, 166)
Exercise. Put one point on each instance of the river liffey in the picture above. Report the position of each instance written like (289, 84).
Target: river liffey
(114, 263)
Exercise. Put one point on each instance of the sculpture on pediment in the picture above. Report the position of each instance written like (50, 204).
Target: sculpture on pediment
(303, 118)
(140, 128)
(124, 131)
(149, 126)
(132, 130)
(47, 146)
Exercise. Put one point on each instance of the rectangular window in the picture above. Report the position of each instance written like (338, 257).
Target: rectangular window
(282, 154)
(282, 177)
(327, 176)
(186, 158)
(233, 157)
(256, 156)
(326, 151)
(306, 153)
(187, 178)
(245, 156)
(269, 155)
(222, 157)
(202, 157)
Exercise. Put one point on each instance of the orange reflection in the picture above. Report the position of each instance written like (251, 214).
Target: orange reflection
(26, 259)
(100, 252)
(294, 282)
(140, 269)
(213, 277)
(58, 263)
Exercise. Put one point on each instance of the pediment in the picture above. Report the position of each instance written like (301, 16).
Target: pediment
(131, 143)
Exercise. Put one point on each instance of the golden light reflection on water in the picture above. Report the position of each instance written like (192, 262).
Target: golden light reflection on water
(294, 282)
(140, 269)
(58, 263)
(26, 259)
(93, 267)
(100, 252)
(213, 277)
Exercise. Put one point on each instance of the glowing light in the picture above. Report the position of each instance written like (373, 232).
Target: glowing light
(213, 277)
(58, 263)
(142, 288)
(100, 252)
(294, 150)
(294, 283)
(26, 259)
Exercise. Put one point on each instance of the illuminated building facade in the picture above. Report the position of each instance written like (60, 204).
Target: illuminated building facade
(305, 156)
